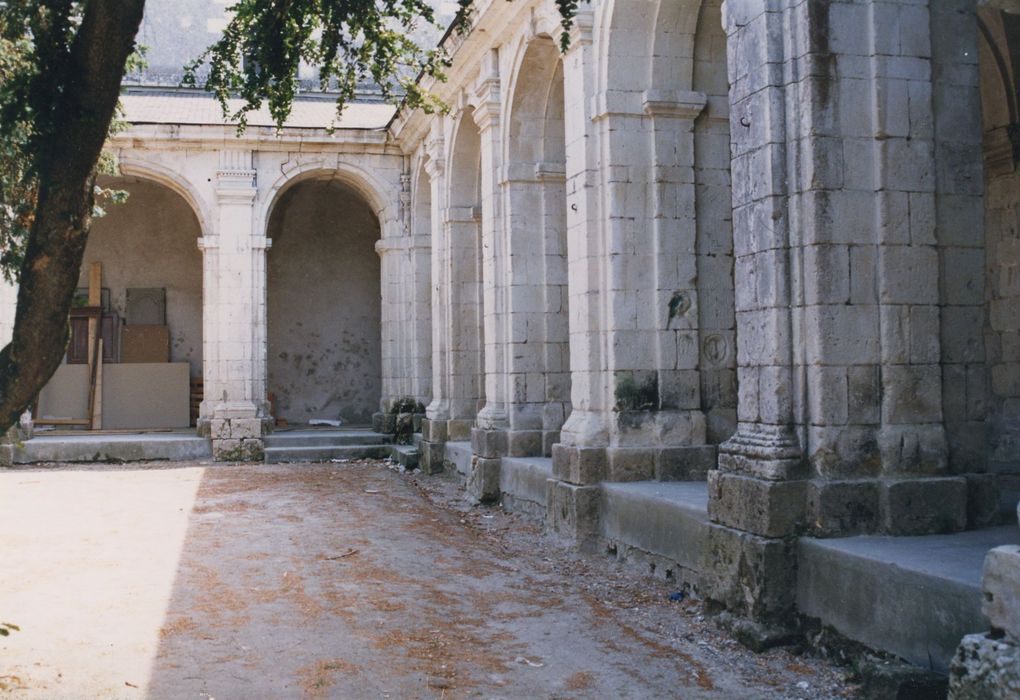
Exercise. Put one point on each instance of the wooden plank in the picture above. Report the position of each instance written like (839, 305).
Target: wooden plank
(95, 299)
(97, 395)
(62, 421)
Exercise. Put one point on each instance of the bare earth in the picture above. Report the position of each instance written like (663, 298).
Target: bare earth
(335, 581)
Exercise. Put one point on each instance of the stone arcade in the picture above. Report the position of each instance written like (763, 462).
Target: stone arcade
(766, 249)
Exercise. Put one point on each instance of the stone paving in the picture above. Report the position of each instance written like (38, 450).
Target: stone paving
(340, 581)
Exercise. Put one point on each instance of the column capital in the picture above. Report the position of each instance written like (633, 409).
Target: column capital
(487, 89)
(208, 243)
(680, 104)
(580, 32)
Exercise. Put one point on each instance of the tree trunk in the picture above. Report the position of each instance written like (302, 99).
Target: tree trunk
(56, 243)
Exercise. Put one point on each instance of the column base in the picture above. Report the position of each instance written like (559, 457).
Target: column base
(579, 465)
(923, 505)
(763, 507)
(384, 423)
(431, 456)
(572, 513)
(432, 447)
(483, 480)
(751, 575)
(236, 431)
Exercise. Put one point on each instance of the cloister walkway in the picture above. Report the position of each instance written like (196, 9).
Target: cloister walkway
(343, 580)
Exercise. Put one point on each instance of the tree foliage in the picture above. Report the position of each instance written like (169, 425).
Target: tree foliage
(350, 42)
(27, 91)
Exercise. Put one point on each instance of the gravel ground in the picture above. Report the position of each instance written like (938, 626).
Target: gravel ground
(348, 580)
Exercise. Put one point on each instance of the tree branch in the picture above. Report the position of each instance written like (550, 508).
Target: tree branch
(84, 108)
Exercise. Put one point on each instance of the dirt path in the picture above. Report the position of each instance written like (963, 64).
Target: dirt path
(334, 581)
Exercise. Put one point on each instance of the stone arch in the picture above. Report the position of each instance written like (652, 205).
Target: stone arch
(463, 262)
(150, 242)
(171, 179)
(378, 196)
(534, 195)
(999, 67)
(646, 44)
(465, 189)
(324, 296)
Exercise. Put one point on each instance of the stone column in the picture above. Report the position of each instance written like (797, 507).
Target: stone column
(234, 316)
(488, 439)
(838, 340)
(579, 457)
(437, 413)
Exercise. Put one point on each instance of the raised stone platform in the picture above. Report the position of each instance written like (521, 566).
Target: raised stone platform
(667, 520)
(459, 455)
(523, 484)
(127, 447)
(912, 596)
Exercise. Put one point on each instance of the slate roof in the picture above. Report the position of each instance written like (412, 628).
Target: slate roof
(201, 109)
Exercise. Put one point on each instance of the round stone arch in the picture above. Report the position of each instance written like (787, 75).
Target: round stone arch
(381, 198)
(642, 44)
(171, 179)
(148, 243)
(324, 293)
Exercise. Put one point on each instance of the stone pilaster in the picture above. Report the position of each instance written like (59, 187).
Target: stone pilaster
(579, 458)
(233, 412)
(487, 438)
(437, 413)
(840, 424)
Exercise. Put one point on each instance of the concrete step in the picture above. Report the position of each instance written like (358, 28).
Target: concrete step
(459, 454)
(322, 438)
(665, 519)
(113, 448)
(915, 597)
(325, 453)
(522, 481)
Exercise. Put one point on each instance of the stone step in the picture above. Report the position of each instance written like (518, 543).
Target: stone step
(323, 438)
(404, 455)
(522, 481)
(915, 597)
(665, 519)
(113, 448)
(325, 453)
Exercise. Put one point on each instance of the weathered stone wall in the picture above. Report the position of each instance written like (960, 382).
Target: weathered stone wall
(323, 305)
